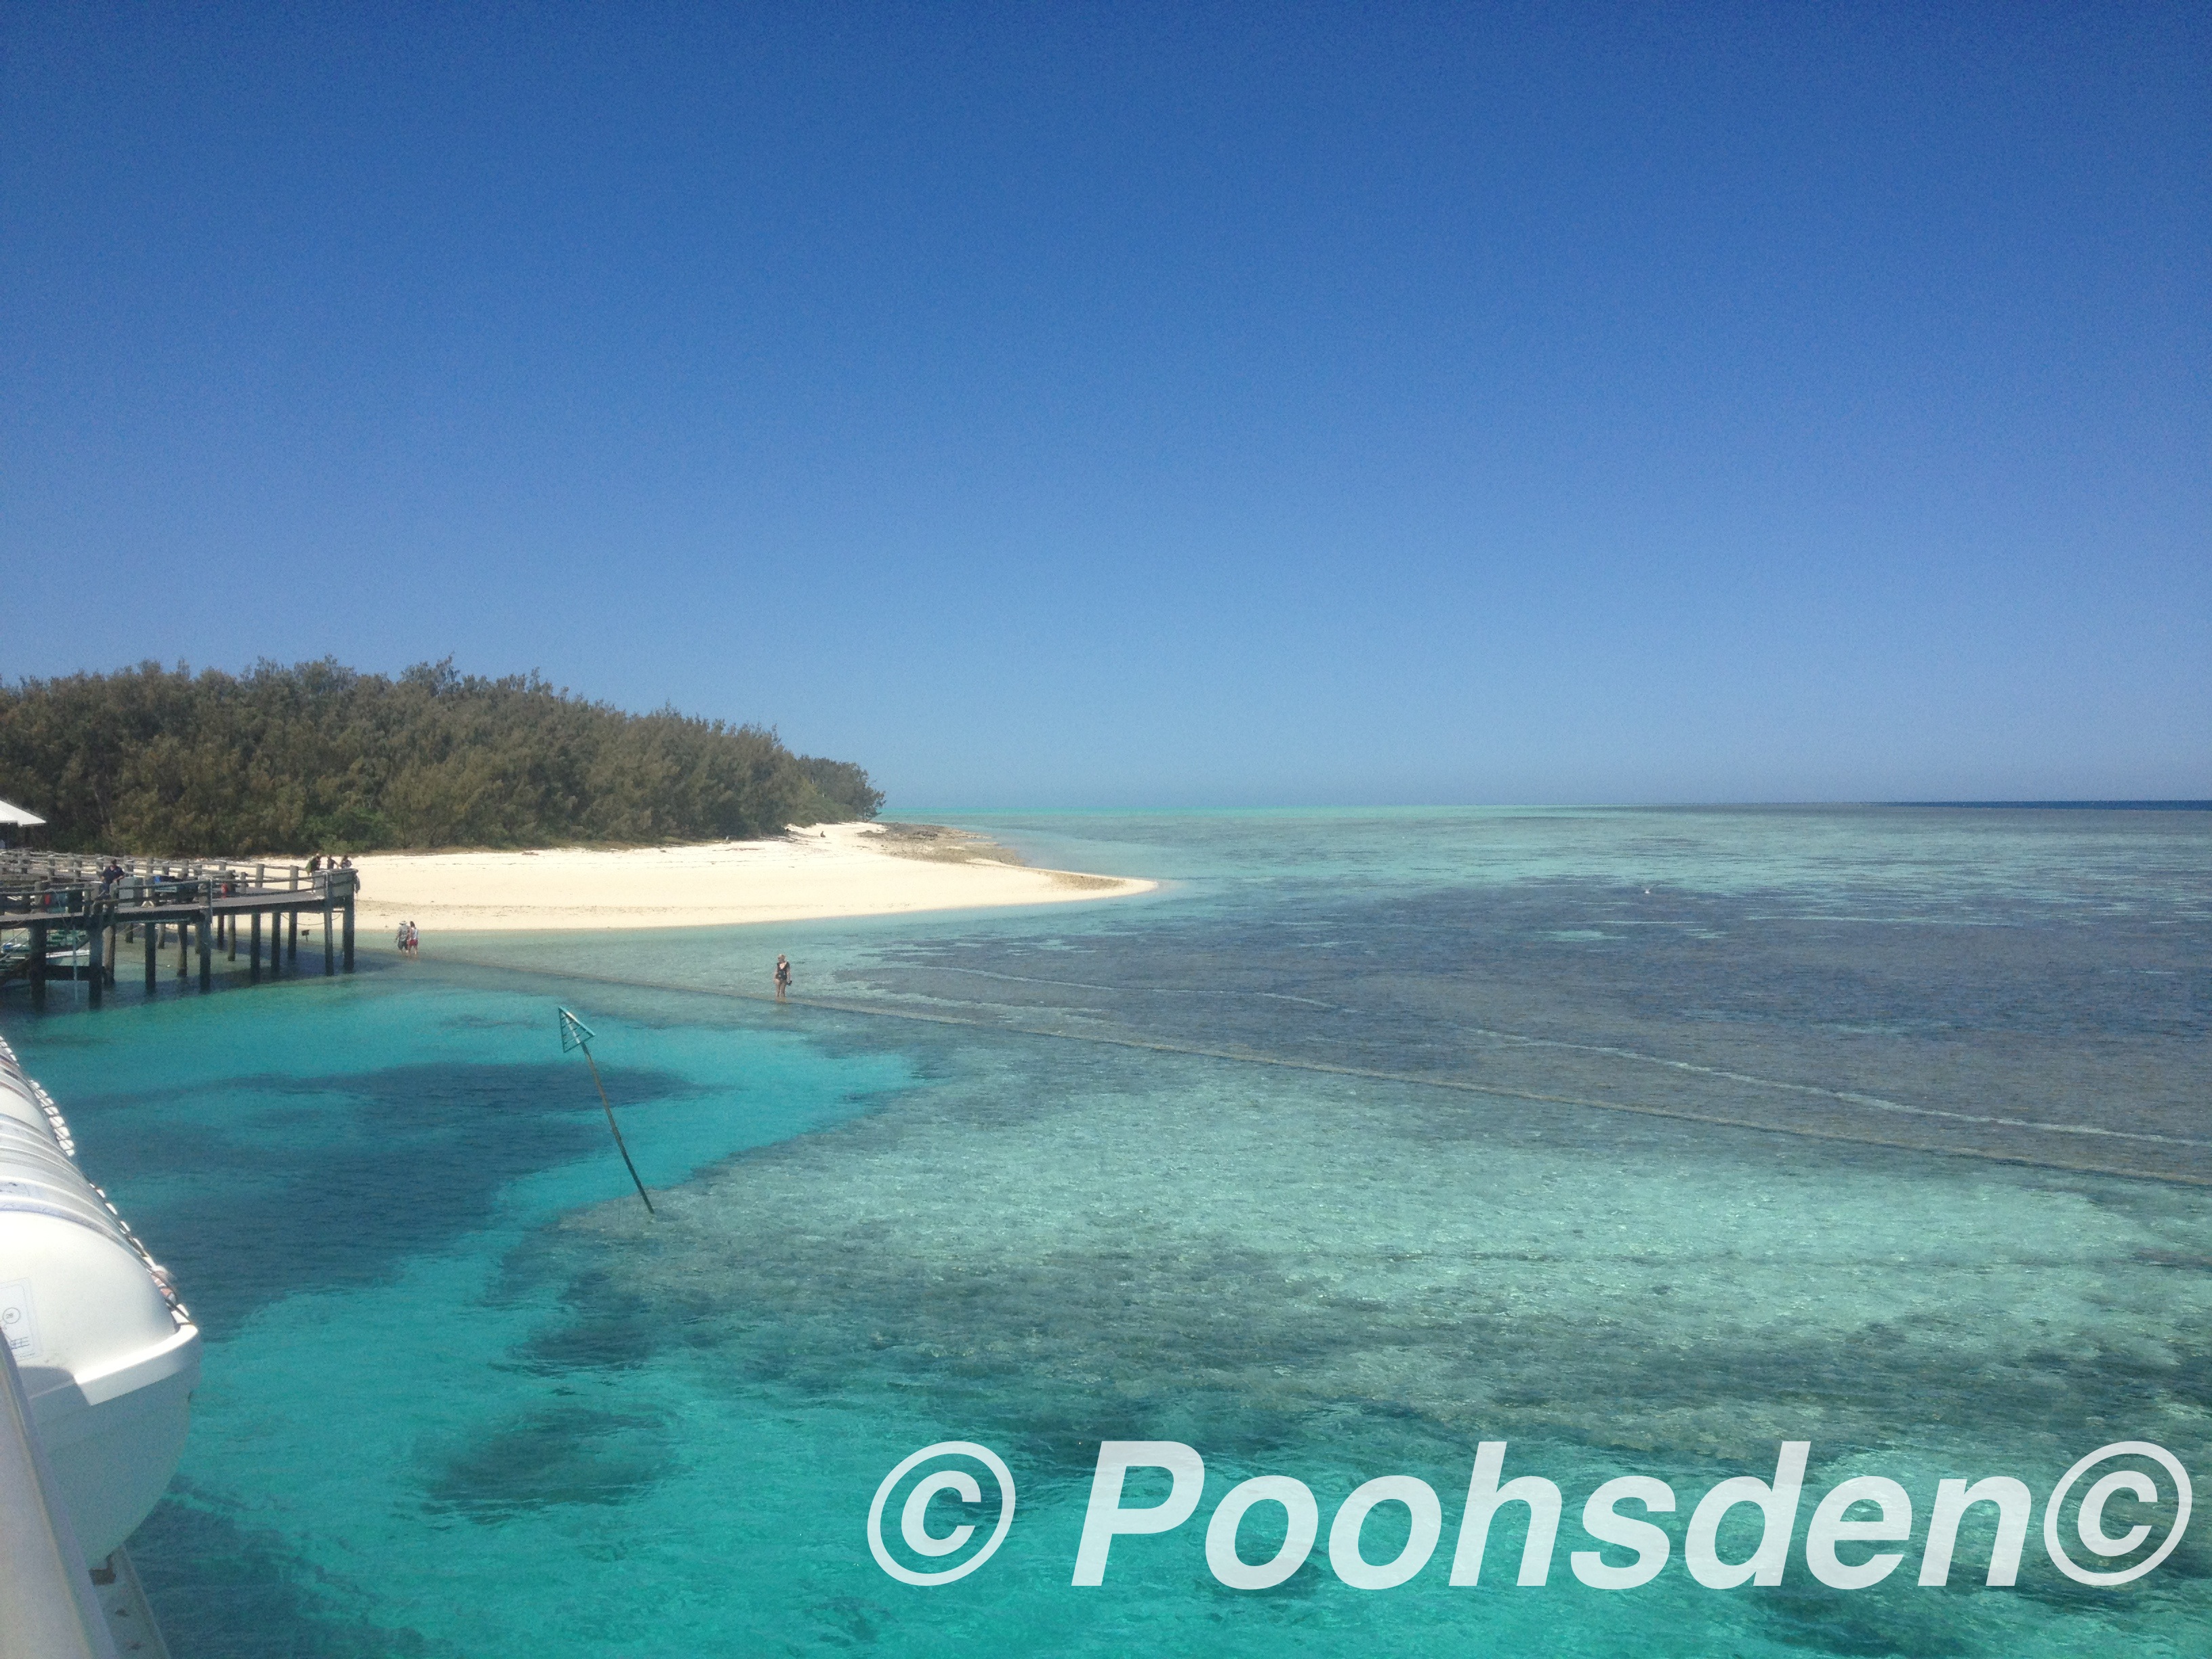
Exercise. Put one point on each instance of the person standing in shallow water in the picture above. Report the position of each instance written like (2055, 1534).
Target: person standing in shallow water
(782, 977)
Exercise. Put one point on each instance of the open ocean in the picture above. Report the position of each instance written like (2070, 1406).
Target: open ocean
(1645, 1141)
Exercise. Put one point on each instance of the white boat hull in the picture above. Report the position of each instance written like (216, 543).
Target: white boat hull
(108, 1356)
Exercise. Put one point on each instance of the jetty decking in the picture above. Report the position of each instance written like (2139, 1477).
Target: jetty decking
(66, 899)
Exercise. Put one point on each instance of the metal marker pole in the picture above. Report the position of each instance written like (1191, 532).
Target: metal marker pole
(619, 1147)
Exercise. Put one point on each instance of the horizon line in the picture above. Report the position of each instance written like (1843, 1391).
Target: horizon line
(2054, 803)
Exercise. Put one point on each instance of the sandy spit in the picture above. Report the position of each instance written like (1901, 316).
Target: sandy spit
(836, 870)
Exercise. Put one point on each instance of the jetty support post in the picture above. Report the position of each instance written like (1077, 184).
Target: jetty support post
(349, 933)
(253, 950)
(207, 941)
(230, 933)
(95, 932)
(330, 940)
(292, 934)
(38, 964)
(153, 945)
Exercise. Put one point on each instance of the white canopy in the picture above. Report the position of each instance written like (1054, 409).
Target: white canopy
(13, 814)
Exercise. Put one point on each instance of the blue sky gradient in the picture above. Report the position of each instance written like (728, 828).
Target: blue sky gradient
(1089, 405)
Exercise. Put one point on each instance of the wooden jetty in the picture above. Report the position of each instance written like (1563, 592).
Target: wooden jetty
(198, 904)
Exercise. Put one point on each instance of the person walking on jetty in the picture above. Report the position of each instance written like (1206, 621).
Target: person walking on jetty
(782, 976)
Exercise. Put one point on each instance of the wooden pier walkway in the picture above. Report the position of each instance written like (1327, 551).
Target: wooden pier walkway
(200, 905)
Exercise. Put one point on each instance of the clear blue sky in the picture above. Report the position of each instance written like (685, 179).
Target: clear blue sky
(1065, 405)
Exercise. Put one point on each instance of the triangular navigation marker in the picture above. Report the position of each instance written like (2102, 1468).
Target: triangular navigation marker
(575, 1034)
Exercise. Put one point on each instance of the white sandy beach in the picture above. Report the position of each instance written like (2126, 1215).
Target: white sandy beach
(837, 870)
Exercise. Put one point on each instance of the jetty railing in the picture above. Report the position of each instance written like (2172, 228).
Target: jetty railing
(90, 904)
(20, 868)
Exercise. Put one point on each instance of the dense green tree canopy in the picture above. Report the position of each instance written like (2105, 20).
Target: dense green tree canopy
(319, 758)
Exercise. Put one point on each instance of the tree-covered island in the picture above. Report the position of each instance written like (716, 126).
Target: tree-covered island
(318, 757)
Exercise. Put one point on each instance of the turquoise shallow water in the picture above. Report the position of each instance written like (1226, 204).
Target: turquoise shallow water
(1643, 1141)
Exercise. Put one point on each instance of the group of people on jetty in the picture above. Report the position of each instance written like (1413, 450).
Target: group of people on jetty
(113, 873)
